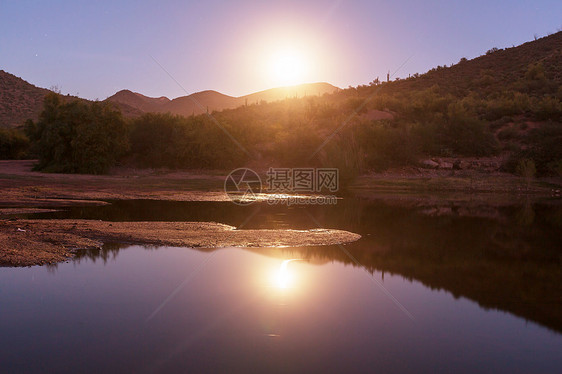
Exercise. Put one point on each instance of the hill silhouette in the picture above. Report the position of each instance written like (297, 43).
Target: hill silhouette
(21, 100)
(201, 102)
(139, 101)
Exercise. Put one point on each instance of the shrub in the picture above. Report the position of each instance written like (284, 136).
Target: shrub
(14, 144)
(526, 169)
(508, 133)
(544, 148)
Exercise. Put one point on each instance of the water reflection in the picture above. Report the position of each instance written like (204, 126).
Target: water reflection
(230, 318)
(284, 278)
(505, 257)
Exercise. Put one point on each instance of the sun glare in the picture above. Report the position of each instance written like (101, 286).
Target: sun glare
(284, 278)
(288, 67)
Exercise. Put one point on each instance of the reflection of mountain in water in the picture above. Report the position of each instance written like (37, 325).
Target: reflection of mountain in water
(507, 258)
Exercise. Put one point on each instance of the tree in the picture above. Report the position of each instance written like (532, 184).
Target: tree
(77, 137)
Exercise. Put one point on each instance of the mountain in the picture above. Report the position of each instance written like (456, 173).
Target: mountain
(499, 67)
(200, 102)
(139, 101)
(209, 100)
(19, 100)
(280, 93)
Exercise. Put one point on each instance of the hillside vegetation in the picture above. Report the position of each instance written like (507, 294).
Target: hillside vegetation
(19, 100)
(506, 102)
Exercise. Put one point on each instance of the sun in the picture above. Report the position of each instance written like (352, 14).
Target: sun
(288, 67)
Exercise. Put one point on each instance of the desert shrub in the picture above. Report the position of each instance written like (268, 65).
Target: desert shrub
(460, 132)
(507, 104)
(387, 144)
(555, 167)
(535, 72)
(345, 153)
(548, 108)
(544, 148)
(499, 123)
(526, 169)
(294, 144)
(508, 133)
(511, 147)
(14, 144)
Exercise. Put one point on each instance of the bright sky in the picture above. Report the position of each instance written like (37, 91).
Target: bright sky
(95, 48)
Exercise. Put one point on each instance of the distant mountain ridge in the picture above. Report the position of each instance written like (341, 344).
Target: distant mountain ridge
(201, 102)
(137, 100)
(21, 100)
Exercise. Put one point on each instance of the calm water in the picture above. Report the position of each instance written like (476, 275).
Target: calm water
(448, 288)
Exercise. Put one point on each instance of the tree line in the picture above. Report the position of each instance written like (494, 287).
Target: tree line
(91, 137)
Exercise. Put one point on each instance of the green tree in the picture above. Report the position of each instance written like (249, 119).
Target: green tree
(77, 137)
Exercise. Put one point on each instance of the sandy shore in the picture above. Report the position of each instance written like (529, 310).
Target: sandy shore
(37, 242)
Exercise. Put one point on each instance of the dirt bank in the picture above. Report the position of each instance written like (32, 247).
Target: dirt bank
(22, 187)
(37, 242)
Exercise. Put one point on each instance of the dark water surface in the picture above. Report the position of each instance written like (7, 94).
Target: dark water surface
(441, 288)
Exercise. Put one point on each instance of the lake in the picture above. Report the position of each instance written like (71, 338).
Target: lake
(441, 287)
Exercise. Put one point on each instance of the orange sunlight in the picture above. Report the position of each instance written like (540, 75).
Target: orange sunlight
(288, 67)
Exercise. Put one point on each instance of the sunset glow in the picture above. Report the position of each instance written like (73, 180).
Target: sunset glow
(284, 278)
(288, 67)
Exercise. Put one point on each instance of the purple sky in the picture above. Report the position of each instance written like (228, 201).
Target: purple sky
(97, 48)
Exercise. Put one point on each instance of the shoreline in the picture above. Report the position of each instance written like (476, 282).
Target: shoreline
(39, 242)
(51, 241)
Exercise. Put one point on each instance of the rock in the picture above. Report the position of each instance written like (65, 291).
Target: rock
(445, 165)
(430, 164)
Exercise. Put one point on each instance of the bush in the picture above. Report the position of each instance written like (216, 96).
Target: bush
(508, 133)
(460, 132)
(14, 144)
(387, 144)
(526, 169)
(544, 148)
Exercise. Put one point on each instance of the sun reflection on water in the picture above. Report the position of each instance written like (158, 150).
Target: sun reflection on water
(284, 278)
